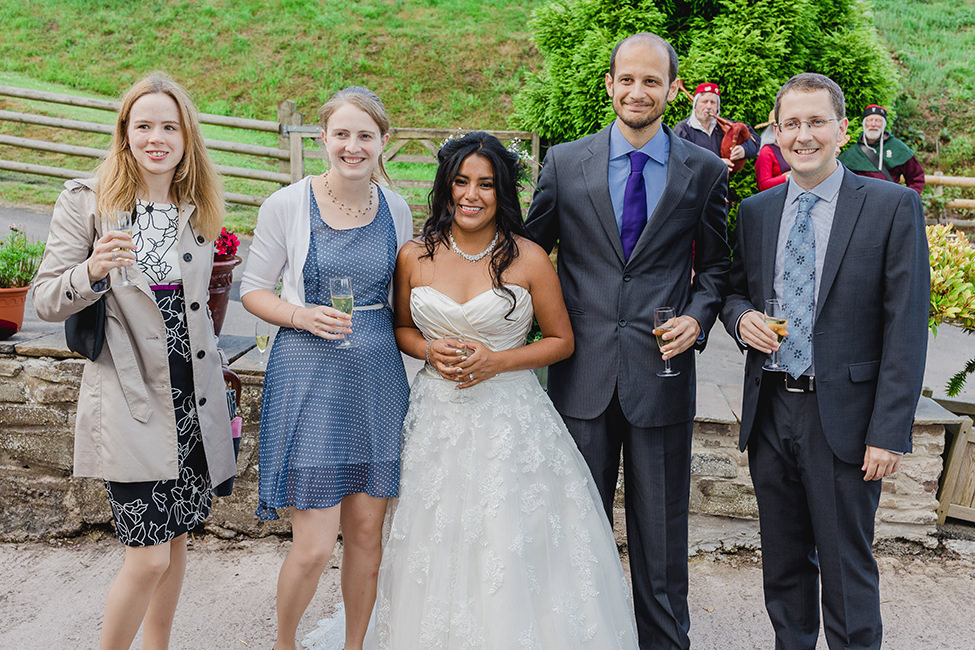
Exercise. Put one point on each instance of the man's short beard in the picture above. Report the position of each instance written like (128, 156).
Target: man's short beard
(641, 124)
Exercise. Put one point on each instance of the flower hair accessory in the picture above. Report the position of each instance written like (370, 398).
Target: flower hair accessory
(526, 162)
(226, 243)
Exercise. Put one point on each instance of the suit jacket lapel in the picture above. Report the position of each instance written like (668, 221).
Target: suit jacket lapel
(771, 222)
(595, 172)
(849, 204)
(678, 178)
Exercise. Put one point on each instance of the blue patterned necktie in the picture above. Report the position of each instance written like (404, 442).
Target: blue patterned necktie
(799, 289)
(634, 203)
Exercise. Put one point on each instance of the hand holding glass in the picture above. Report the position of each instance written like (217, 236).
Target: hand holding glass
(461, 395)
(341, 292)
(120, 220)
(663, 322)
(776, 321)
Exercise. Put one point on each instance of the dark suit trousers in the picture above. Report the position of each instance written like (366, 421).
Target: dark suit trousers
(817, 524)
(656, 481)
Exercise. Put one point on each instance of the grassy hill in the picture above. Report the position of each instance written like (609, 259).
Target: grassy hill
(435, 63)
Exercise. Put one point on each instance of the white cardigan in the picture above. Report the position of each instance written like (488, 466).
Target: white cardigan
(281, 239)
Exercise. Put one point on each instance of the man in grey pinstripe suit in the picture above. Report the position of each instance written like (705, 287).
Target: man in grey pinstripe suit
(608, 391)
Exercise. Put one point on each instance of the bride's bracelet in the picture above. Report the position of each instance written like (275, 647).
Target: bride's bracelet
(428, 353)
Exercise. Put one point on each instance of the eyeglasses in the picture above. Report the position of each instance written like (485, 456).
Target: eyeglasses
(814, 124)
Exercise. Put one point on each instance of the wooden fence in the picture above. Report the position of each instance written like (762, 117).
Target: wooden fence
(940, 181)
(408, 145)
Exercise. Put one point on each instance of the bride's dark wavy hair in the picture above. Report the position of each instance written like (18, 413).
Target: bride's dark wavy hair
(508, 217)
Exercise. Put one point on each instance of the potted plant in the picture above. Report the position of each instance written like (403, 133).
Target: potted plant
(225, 258)
(20, 257)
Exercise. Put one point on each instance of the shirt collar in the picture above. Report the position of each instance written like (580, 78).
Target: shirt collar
(825, 191)
(658, 148)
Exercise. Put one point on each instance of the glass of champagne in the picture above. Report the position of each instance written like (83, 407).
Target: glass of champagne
(663, 322)
(776, 321)
(262, 333)
(120, 220)
(341, 291)
(460, 394)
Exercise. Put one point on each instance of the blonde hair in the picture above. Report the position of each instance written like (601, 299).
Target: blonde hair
(370, 104)
(195, 180)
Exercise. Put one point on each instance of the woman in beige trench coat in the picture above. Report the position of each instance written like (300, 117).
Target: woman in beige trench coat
(152, 413)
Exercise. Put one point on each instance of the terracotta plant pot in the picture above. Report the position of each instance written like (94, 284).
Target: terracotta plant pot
(221, 278)
(12, 310)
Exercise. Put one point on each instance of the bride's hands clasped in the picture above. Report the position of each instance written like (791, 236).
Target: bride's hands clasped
(468, 363)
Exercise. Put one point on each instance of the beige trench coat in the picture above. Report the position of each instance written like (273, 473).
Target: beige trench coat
(126, 427)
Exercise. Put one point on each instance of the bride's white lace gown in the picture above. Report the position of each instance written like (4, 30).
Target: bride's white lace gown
(497, 541)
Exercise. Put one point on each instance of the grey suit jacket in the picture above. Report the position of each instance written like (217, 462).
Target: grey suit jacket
(870, 332)
(611, 299)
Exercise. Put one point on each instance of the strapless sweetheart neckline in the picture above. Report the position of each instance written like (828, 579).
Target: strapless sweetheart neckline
(472, 298)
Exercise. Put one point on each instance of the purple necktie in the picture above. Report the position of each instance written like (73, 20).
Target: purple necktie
(634, 203)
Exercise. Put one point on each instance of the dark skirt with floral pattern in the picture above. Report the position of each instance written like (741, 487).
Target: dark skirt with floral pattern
(154, 512)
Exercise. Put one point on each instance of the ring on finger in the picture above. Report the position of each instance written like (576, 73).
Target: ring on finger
(470, 377)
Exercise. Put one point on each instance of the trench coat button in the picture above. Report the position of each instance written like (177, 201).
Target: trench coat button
(201, 354)
(68, 294)
(199, 239)
(194, 306)
(203, 401)
(627, 278)
(187, 257)
(622, 323)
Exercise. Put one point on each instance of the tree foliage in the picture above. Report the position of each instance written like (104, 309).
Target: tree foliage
(750, 48)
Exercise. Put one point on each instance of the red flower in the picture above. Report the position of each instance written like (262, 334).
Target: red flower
(226, 243)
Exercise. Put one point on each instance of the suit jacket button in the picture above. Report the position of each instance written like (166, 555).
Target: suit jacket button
(622, 323)
(200, 354)
(187, 257)
(757, 381)
(68, 294)
(194, 306)
(199, 239)
(203, 401)
(627, 278)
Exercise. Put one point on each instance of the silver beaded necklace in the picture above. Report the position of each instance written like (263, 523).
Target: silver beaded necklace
(474, 258)
(355, 213)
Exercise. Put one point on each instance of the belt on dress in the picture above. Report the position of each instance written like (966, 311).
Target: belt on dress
(378, 305)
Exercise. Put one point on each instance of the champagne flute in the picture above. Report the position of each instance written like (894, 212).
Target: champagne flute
(775, 319)
(262, 333)
(663, 322)
(461, 395)
(120, 220)
(341, 291)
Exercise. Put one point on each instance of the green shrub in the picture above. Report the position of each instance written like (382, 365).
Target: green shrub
(952, 289)
(748, 48)
(20, 257)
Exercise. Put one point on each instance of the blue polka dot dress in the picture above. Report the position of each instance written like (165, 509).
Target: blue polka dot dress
(331, 418)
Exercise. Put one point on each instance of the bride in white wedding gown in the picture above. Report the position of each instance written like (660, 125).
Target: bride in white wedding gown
(497, 541)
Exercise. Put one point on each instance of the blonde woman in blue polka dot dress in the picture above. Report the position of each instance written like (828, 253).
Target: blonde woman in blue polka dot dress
(331, 417)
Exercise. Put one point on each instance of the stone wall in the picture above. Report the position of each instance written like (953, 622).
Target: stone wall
(38, 497)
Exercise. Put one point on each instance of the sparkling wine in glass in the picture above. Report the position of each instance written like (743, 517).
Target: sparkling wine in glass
(120, 220)
(460, 394)
(776, 321)
(341, 292)
(262, 334)
(663, 322)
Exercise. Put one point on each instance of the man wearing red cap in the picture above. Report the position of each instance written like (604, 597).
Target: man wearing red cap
(703, 129)
(878, 154)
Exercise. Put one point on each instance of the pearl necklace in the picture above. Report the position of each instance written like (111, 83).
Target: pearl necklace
(355, 213)
(474, 258)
